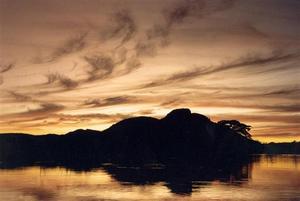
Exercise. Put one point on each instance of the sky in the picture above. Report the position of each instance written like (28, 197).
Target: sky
(70, 64)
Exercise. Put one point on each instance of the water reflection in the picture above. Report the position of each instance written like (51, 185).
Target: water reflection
(179, 179)
(264, 178)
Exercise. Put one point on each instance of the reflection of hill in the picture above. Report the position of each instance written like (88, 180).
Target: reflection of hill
(180, 179)
(181, 137)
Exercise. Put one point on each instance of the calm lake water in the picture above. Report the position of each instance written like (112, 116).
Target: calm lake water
(266, 178)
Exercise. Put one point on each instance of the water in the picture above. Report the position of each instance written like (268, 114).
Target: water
(266, 179)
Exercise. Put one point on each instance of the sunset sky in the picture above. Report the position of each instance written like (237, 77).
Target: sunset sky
(69, 64)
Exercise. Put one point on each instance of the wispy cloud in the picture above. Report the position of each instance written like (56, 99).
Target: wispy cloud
(61, 80)
(122, 26)
(6, 67)
(44, 109)
(92, 116)
(248, 60)
(101, 66)
(74, 44)
(63, 120)
(283, 108)
(290, 91)
(117, 100)
(172, 102)
(19, 96)
(254, 60)
(158, 35)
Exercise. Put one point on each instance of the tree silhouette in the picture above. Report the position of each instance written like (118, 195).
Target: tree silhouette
(237, 127)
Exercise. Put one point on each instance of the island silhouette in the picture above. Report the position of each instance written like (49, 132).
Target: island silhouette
(181, 137)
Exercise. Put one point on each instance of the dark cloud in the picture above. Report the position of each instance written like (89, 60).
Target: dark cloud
(117, 100)
(19, 97)
(172, 103)
(145, 112)
(62, 80)
(283, 108)
(26, 120)
(146, 48)
(60, 119)
(158, 35)
(122, 26)
(254, 60)
(74, 44)
(6, 67)
(45, 109)
(108, 118)
(220, 5)
(249, 60)
(251, 30)
(251, 93)
(290, 91)
(101, 66)
(279, 108)
(286, 92)
(75, 64)
(105, 66)
(93, 103)
(262, 107)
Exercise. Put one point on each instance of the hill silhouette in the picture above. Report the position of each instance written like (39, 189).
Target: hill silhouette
(181, 137)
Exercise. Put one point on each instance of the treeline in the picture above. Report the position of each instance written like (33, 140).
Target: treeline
(282, 148)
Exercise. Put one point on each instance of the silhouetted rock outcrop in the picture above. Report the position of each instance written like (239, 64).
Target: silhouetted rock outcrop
(180, 137)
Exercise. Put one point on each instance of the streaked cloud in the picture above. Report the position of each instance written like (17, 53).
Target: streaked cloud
(101, 66)
(6, 67)
(19, 97)
(75, 43)
(243, 62)
(61, 80)
(117, 100)
(122, 26)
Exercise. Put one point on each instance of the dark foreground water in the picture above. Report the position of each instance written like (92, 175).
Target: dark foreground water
(266, 178)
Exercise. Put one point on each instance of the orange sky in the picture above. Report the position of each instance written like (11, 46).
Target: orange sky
(75, 64)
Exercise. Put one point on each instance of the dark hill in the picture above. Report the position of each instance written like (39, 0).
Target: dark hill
(180, 137)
